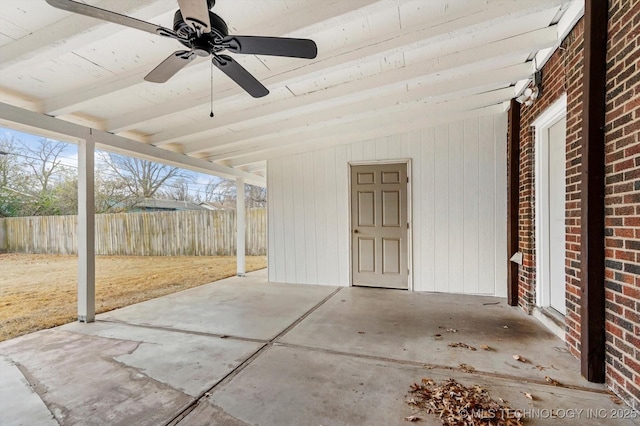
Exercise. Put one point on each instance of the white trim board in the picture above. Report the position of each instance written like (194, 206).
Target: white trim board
(549, 117)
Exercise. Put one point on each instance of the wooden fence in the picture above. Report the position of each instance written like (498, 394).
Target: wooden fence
(183, 233)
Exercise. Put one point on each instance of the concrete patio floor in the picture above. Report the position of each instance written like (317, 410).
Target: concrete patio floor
(243, 351)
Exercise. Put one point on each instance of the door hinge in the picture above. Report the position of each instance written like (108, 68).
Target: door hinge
(407, 179)
(407, 225)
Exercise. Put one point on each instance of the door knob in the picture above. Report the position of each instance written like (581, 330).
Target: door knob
(355, 231)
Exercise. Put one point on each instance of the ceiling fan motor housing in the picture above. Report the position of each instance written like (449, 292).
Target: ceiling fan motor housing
(206, 43)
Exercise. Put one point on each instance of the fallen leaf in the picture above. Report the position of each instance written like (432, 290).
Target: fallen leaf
(550, 380)
(224, 336)
(616, 400)
(505, 326)
(519, 358)
(360, 332)
(413, 418)
(452, 330)
(452, 402)
(485, 347)
(539, 367)
(528, 395)
(437, 336)
(467, 368)
(462, 345)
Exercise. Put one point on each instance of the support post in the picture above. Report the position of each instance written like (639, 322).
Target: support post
(86, 233)
(513, 204)
(592, 300)
(240, 227)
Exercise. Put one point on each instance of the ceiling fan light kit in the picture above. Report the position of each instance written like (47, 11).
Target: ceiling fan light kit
(204, 33)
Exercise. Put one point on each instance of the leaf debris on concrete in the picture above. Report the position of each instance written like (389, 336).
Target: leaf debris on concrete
(412, 418)
(550, 380)
(519, 358)
(485, 347)
(458, 405)
(462, 345)
(467, 368)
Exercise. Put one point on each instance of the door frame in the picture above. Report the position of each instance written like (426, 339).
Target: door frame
(407, 162)
(548, 118)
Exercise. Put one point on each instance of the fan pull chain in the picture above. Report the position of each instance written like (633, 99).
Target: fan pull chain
(211, 114)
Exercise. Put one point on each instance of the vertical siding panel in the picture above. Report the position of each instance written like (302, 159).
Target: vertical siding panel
(320, 191)
(357, 151)
(369, 150)
(382, 149)
(428, 189)
(279, 216)
(289, 224)
(486, 181)
(441, 212)
(309, 195)
(395, 147)
(413, 151)
(500, 140)
(332, 220)
(471, 199)
(343, 217)
(456, 205)
(299, 219)
(271, 250)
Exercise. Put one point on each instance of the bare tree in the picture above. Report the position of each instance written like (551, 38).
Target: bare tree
(142, 178)
(223, 193)
(179, 190)
(45, 163)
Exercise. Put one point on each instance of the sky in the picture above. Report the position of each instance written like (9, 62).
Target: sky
(70, 158)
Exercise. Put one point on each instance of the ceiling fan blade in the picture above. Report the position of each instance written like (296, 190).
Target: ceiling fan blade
(240, 75)
(196, 14)
(170, 66)
(274, 46)
(107, 15)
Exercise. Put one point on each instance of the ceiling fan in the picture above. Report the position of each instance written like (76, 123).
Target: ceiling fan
(204, 33)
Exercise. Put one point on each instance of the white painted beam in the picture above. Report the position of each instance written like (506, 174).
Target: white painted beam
(401, 126)
(240, 228)
(478, 13)
(75, 31)
(383, 118)
(352, 105)
(86, 232)
(14, 117)
(298, 18)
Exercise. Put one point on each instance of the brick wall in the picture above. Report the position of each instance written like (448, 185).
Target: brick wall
(622, 201)
(563, 74)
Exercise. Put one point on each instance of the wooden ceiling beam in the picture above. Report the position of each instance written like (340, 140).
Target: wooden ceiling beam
(70, 102)
(477, 14)
(22, 119)
(75, 31)
(438, 91)
(400, 126)
(379, 116)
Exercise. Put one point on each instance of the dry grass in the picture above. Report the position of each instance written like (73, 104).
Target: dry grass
(39, 291)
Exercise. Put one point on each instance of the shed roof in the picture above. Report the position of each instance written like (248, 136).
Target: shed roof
(383, 67)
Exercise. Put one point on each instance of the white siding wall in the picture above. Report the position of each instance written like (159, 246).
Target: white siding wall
(458, 197)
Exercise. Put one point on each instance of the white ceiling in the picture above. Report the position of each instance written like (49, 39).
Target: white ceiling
(383, 67)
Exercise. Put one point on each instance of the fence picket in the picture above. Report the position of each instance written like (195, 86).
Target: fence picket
(189, 233)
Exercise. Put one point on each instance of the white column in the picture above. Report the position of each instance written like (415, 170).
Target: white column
(240, 227)
(86, 233)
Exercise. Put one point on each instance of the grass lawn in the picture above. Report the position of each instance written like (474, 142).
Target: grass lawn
(39, 291)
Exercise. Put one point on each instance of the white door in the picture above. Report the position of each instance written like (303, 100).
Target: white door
(556, 237)
(379, 226)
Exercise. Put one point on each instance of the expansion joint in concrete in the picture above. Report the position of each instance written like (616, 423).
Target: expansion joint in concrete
(233, 373)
